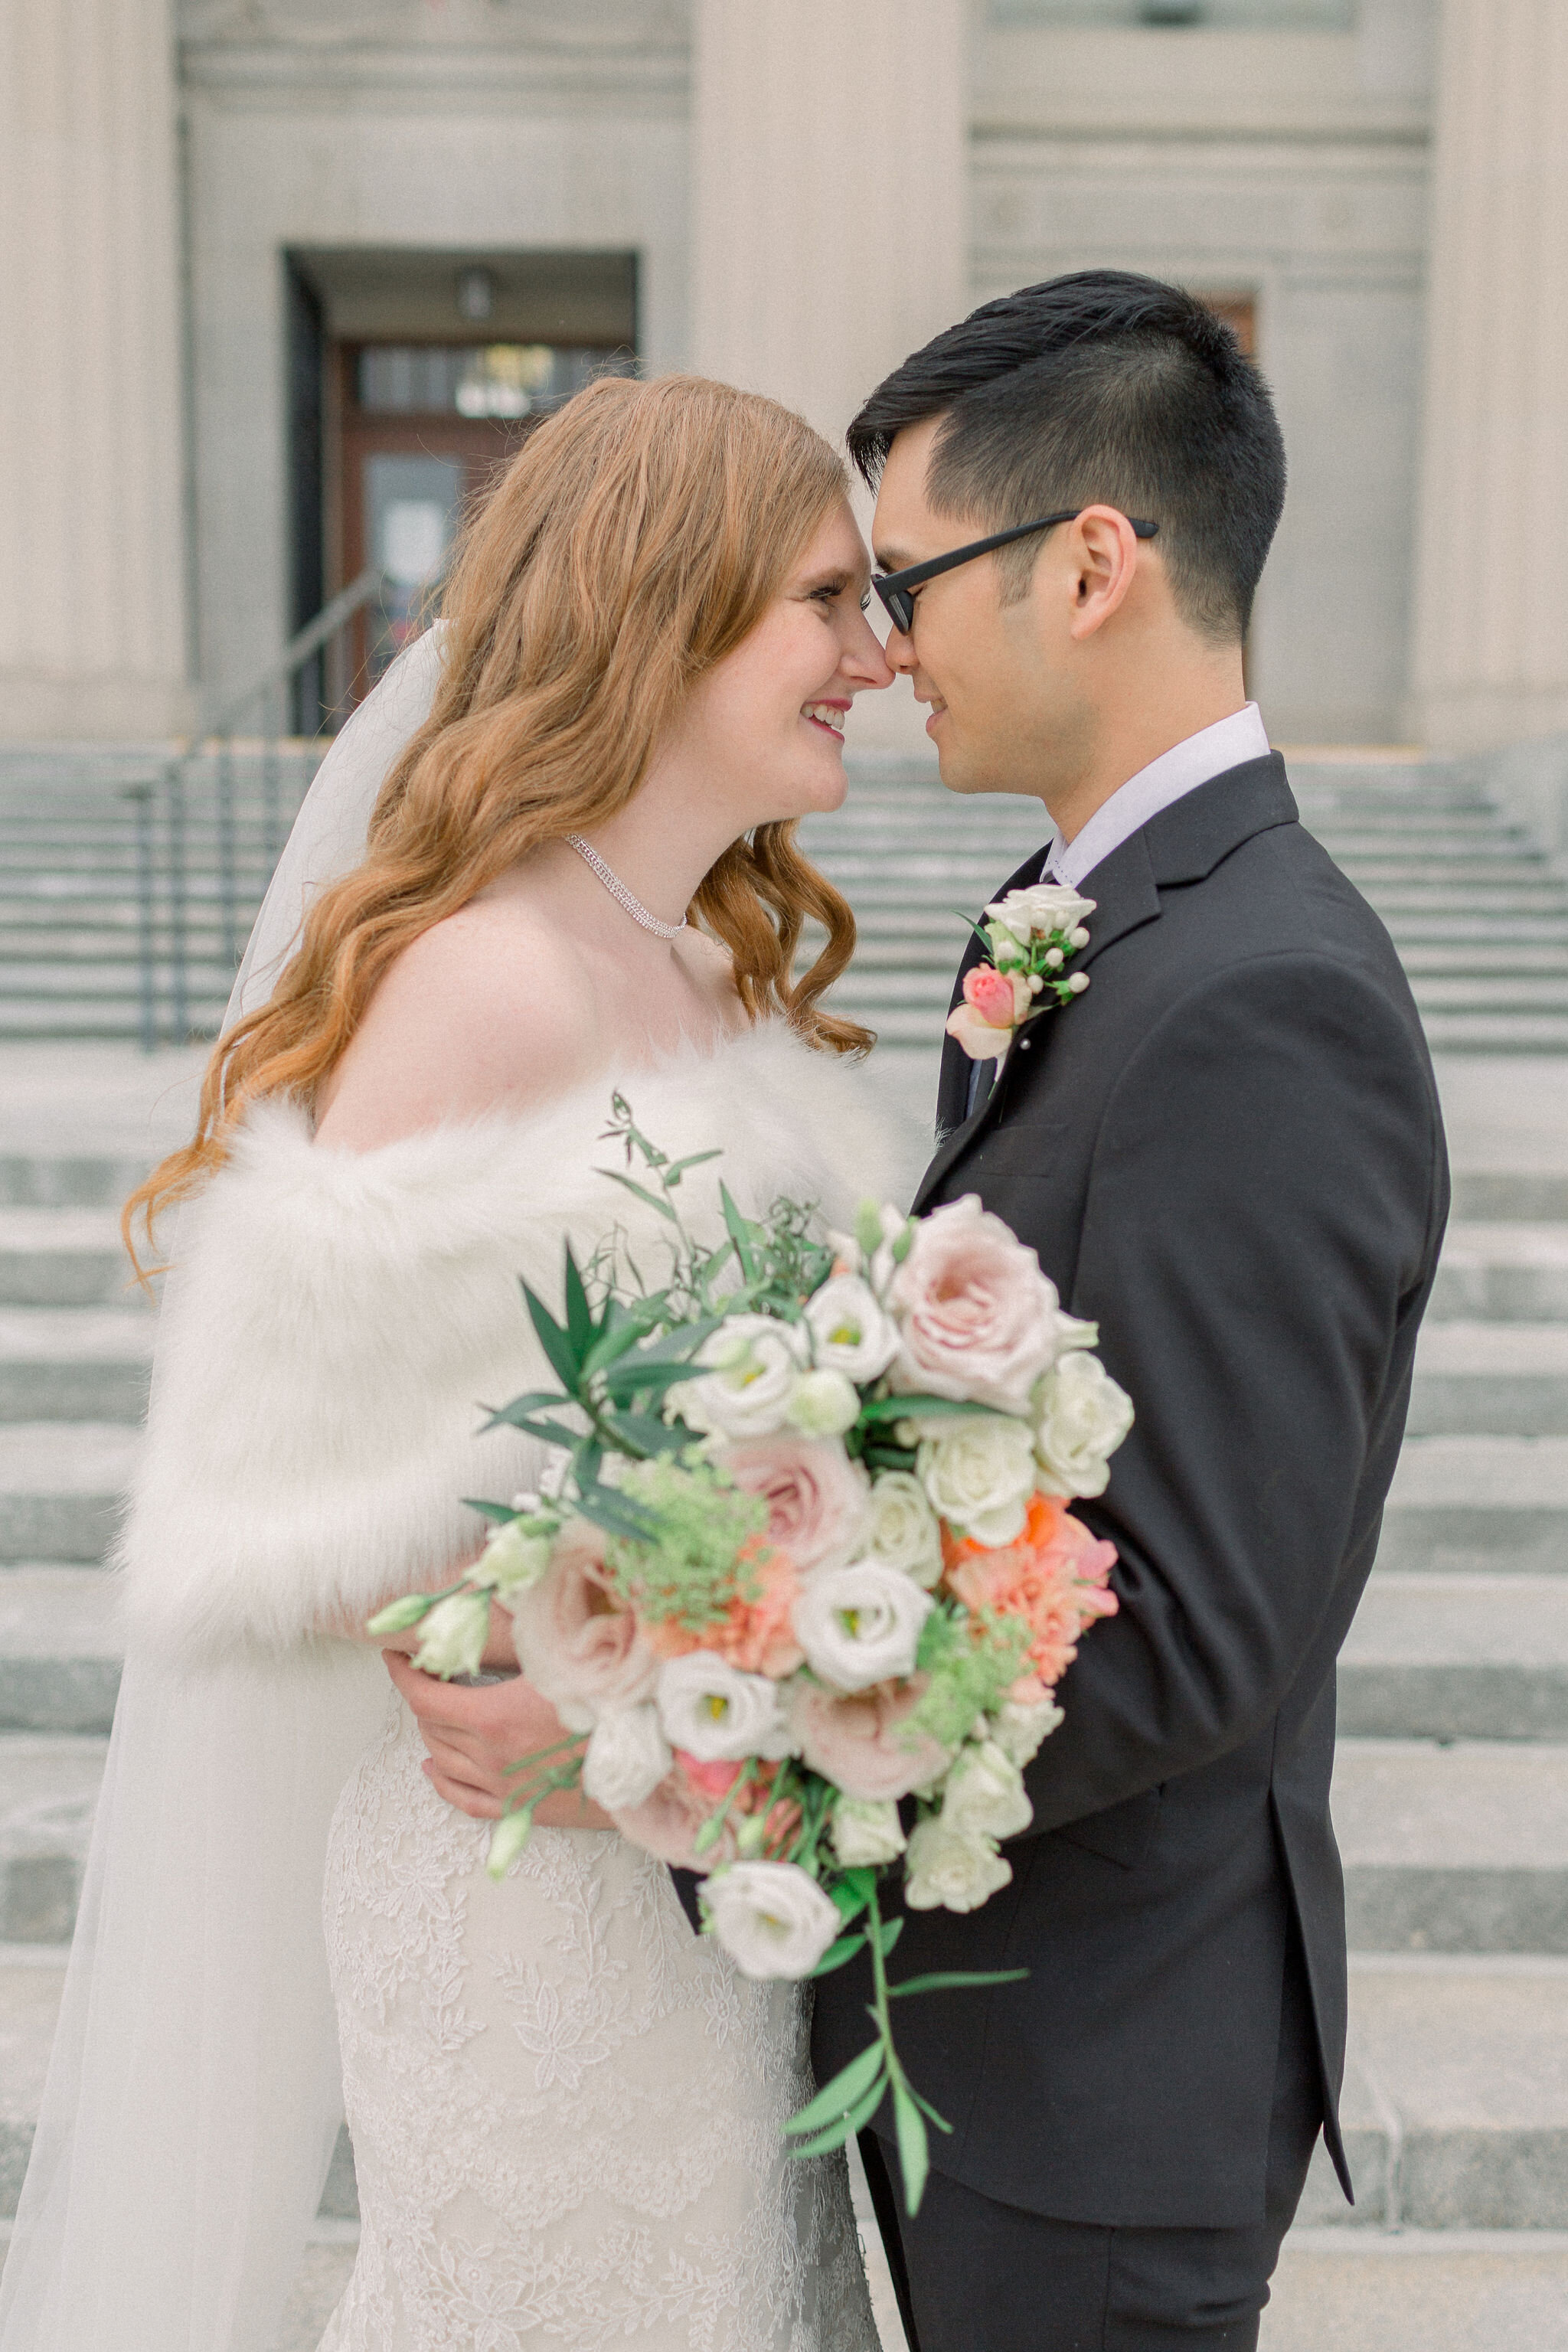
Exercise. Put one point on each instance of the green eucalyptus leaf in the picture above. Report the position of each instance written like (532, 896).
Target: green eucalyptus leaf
(951, 1979)
(914, 2146)
(920, 1408)
(859, 2114)
(500, 1514)
(835, 2100)
(837, 1955)
(652, 1198)
(554, 1340)
(741, 1232)
(581, 1329)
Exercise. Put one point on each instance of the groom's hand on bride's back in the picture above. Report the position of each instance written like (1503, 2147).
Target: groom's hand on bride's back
(474, 1734)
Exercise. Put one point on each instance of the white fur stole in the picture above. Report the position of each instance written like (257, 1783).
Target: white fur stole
(337, 1321)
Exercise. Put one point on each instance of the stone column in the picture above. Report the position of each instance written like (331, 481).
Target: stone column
(1491, 609)
(829, 208)
(92, 572)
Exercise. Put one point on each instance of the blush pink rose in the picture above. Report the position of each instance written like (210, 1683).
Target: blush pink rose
(977, 1316)
(1054, 1577)
(818, 1498)
(1002, 998)
(980, 1038)
(666, 1823)
(758, 1635)
(867, 1745)
(577, 1642)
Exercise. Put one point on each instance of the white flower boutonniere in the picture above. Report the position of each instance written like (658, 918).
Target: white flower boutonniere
(1033, 935)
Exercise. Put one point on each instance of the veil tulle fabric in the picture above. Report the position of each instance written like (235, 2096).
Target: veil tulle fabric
(193, 2095)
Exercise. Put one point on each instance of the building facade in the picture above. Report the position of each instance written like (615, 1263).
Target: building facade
(286, 274)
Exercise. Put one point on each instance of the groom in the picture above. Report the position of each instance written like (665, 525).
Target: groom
(1228, 1152)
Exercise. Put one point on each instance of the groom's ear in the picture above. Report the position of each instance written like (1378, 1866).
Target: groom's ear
(1103, 558)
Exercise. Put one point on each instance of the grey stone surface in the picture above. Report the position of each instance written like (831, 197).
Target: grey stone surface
(1461, 1848)
(59, 1649)
(1498, 1272)
(60, 1487)
(1457, 1657)
(1491, 1379)
(1478, 1505)
(64, 1258)
(1418, 2291)
(81, 1363)
(48, 1788)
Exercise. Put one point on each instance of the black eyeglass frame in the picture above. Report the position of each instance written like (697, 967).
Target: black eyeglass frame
(893, 587)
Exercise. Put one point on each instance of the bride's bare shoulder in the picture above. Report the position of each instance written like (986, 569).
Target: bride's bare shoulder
(493, 1008)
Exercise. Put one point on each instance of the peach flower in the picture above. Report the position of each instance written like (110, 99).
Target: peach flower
(977, 1318)
(577, 1642)
(818, 1498)
(980, 1039)
(666, 1824)
(867, 1745)
(1055, 1576)
(757, 1636)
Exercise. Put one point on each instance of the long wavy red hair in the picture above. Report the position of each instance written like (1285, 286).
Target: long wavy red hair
(637, 536)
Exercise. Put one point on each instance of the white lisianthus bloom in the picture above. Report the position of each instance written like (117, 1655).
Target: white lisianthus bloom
(515, 1556)
(860, 1625)
(718, 1714)
(1083, 1418)
(902, 1527)
(453, 1636)
(979, 1474)
(823, 1404)
(849, 1332)
(1020, 1731)
(956, 1874)
(984, 1796)
(1043, 908)
(1073, 1332)
(772, 1919)
(866, 1832)
(627, 1758)
(754, 1364)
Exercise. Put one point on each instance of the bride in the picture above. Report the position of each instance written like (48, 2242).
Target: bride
(579, 874)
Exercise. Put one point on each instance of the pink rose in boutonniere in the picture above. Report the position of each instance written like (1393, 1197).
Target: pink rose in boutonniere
(1032, 935)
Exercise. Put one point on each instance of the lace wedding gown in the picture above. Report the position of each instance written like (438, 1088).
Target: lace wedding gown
(566, 2107)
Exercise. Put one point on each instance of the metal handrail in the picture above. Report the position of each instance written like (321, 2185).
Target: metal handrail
(164, 814)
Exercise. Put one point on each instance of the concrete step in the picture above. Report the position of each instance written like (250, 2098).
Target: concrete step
(1455, 2108)
(82, 1363)
(59, 1649)
(61, 1484)
(1453, 1848)
(48, 1790)
(1491, 1379)
(1457, 1657)
(1498, 1273)
(1478, 1505)
(64, 1258)
(1339, 2290)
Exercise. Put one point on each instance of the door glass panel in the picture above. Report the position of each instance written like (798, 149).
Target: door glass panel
(411, 508)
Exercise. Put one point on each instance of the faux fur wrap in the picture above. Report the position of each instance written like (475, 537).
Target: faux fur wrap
(336, 1321)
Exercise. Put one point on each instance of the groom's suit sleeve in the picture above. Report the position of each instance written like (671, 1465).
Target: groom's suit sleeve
(1264, 1202)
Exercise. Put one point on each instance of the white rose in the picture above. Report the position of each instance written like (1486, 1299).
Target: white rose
(515, 1556)
(1043, 908)
(452, 1637)
(771, 1918)
(1083, 1418)
(984, 1796)
(957, 1873)
(902, 1528)
(849, 1332)
(979, 1475)
(1020, 1731)
(860, 1625)
(823, 1404)
(867, 1832)
(754, 1364)
(627, 1758)
(718, 1714)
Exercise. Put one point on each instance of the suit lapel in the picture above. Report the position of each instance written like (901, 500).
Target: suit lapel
(1182, 843)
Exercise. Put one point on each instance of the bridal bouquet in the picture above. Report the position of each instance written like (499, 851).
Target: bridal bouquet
(805, 1581)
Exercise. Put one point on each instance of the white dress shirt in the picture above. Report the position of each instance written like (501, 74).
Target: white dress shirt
(1175, 773)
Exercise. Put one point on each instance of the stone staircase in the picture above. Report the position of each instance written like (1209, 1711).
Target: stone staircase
(1451, 1796)
(1478, 916)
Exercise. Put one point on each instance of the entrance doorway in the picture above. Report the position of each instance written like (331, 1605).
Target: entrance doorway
(424, 430)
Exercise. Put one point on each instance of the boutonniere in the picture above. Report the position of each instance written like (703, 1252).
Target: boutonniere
(1032, 936)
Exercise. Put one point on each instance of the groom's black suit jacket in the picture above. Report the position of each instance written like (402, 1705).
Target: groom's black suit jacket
(1228, 1152)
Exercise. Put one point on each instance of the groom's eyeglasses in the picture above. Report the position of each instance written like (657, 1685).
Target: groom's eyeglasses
(894, 587)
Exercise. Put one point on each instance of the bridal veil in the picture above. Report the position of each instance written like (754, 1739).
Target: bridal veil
(193, 2094)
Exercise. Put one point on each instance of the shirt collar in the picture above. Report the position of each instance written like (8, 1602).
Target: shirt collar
(1175, 772)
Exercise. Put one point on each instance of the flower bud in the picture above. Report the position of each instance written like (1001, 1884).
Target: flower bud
(1079, 936)
(1077, 982)
(1035, 983)
(1054, 959)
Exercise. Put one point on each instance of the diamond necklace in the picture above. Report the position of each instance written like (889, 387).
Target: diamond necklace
(620, 894)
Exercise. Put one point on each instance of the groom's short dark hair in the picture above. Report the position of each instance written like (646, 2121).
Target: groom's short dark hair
(1100, 388)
